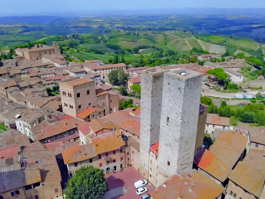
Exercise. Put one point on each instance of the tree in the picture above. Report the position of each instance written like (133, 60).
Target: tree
(126, 104)
(118, 77)
(87, 183)
(136, 88)
(122, 59)
(247, 117)
(116, 59)
(206, 100)
(123, 91)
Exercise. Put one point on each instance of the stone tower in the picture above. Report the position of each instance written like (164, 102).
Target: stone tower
(151, 101)
(178, 124)
(57, 48)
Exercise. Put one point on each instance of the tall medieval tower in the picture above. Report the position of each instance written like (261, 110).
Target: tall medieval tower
(170, 109)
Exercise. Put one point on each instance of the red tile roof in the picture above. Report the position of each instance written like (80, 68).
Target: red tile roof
(188, 186)
(77, 82)
(155, 148)
(84, 128)
(206, 55)
(8, 152)
(85, 113)
(217, 120)
(57, 77)
(135, 80)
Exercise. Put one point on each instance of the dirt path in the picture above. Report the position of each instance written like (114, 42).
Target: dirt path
(200, 44)
(188, 43)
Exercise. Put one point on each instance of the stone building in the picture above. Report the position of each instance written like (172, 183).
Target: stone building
(167, 117)
(79, 94)
(36, 52)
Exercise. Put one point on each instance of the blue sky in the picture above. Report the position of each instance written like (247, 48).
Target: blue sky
(18, 7)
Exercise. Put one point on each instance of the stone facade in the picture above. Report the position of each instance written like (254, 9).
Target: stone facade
(170, 113)
(234, 191)
(151, 100)
(179, 119)
(201, 127)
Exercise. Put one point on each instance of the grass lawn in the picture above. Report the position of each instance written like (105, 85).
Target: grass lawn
(236, 107)
(233, 121)
(253, 125)
(211, 38)
(245, 53)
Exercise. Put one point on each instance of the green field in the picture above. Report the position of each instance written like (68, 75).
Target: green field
(245, 53)
(180, 34)
(179, 45)
(194, 43)
(243, 43)
(212, 38)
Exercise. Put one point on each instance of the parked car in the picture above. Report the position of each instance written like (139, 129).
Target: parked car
(146, 196)
(141, 190)
(140, 183)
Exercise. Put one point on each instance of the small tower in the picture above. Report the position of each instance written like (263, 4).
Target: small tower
(151, 99)
(57, 49)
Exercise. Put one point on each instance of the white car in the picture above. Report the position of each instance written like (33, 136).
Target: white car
(140, 183)
(141, 190)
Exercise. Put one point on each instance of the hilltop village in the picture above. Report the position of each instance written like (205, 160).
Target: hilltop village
(58, 116)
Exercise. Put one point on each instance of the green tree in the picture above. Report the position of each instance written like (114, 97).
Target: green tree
(118, 77)
(206, 100)
(116, 59)
(122, 59)
(126, 104)
(136, 88)
(123, 91)
(247, 117)
(87, 183)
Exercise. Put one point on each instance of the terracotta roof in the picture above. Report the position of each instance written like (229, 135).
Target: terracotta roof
(93, 66)
(250, 174)
(257, 134)
(77, 82)
(217, 120)
(103, 93)
(85, 113)
(155, 148)
(188, 186)
(105, 126)
(21, 50)
(223, 155)
(3, 72)
(37, 156)
(107, 142)
(75, 69)
(104, 87)
(7, 83)
(11, 138)
(125, 120)
(78, 153)
(56, 128)
(8, 153)
(84, 128)
(18, 179)
(203, 71)
(57, 77)
(206, 55)
(135, 80)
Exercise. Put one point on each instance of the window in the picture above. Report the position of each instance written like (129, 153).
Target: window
(87, 92)
(213, 125)
(36, 197)
(150, 161)
(120, 150)
(257, 145)
(76, 164)
(120, 167)
(114, 160)
(90, 160)
(69, 95)
(15, 193)
(79, 106)
(132, 152)
(128, 159)
(127, 153)
(223, 127)
(150, 176)
(64, 93)
(108, 170)
(36, 185)
(167, 119)
(1, 197)
(71, 107)
(89, 104)
(28, 187)
(56, 190)
(231, 193)
(66, 105)
(100, 164)
(121, 158)
(99, 156)
(150, 169)
(107, 154)
(114, 152)
(78, 95)
(168, 163)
